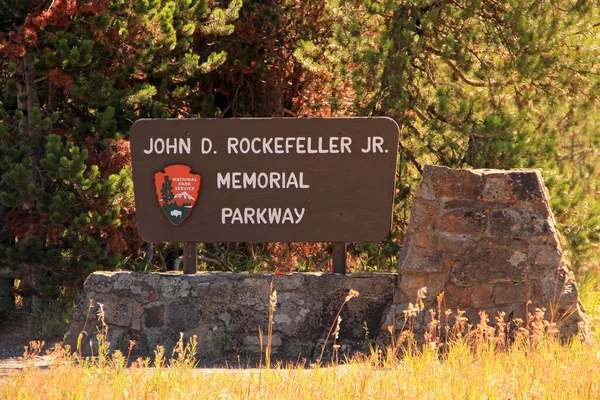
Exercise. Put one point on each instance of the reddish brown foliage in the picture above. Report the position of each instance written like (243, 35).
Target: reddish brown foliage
(12, 50)
(20, 222)
(59, 79)
(93, 7)
(58, 14)
(286, 256)
(110, 155)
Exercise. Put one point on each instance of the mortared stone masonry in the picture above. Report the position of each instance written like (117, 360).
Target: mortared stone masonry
(487, 239)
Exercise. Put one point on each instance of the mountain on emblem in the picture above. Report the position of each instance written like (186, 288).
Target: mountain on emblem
(177, 190)
(184, 195)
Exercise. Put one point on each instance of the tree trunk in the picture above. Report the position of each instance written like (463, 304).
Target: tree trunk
(52, 100)
(33, 94)
(22, 102)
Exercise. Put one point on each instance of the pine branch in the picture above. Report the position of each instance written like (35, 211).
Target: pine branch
(437, 153)
(411, 156)
(462, 76)
(597, 24)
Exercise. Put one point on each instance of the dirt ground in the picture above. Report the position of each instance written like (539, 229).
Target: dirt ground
(13, 340)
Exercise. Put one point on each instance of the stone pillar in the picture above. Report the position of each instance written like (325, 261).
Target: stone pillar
(488, 240)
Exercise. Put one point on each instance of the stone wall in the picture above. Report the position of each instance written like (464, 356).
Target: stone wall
(226, 310)
(486, 239)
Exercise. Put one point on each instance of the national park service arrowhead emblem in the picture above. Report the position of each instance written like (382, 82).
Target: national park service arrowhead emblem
(177, 190)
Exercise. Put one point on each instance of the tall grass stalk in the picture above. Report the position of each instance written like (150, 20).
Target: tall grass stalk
(335, 326)
(272, 305)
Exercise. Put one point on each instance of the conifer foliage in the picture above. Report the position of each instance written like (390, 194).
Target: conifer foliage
(485, 84)
(74, 75)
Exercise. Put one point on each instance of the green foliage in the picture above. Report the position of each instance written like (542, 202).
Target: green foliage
(73, 77)
(478, 84)
(505, 84)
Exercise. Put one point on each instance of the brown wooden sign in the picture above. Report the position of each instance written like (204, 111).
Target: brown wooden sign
(264, 179)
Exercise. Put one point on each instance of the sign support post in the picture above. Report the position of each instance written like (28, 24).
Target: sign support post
(190, 258)
(338, 254)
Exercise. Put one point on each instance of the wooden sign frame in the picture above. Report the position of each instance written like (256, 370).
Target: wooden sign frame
(264, 179)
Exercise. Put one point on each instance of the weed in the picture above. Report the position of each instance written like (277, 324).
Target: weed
(335, 326)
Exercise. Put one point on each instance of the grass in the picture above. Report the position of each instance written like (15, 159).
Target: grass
(552, 371)
(478, 365)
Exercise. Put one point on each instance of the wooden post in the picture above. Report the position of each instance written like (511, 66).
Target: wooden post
(338, 254)
(190, 258)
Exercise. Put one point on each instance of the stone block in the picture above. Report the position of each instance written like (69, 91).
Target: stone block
(489, 266)
(154, 317)
(465, 222)
(448, 244)
(102, 283)
(371, 284)
(497, 240)
(469, 205)
(482, 296)
(527, 185)
(555, 289)
(118, 310)
(252, 290)
(184, 314)
(512, 292)
(424, 191)
(518, 223)
(497, 188)
(123, 282)
(441, 242)
(424, 215)
(420, 259)
(457, 297)
(546, 257)
(289, 282)
(175, 287)
(411, 282)
(449, 183)
(118, 313)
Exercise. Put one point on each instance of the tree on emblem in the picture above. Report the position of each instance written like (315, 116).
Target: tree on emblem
(167, 190)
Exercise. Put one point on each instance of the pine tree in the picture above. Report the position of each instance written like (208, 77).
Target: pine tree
(504, 84)
(74, 75)
(166, 190)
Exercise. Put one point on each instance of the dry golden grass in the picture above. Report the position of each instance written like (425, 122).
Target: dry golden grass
(478, 365)
(552, 371)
